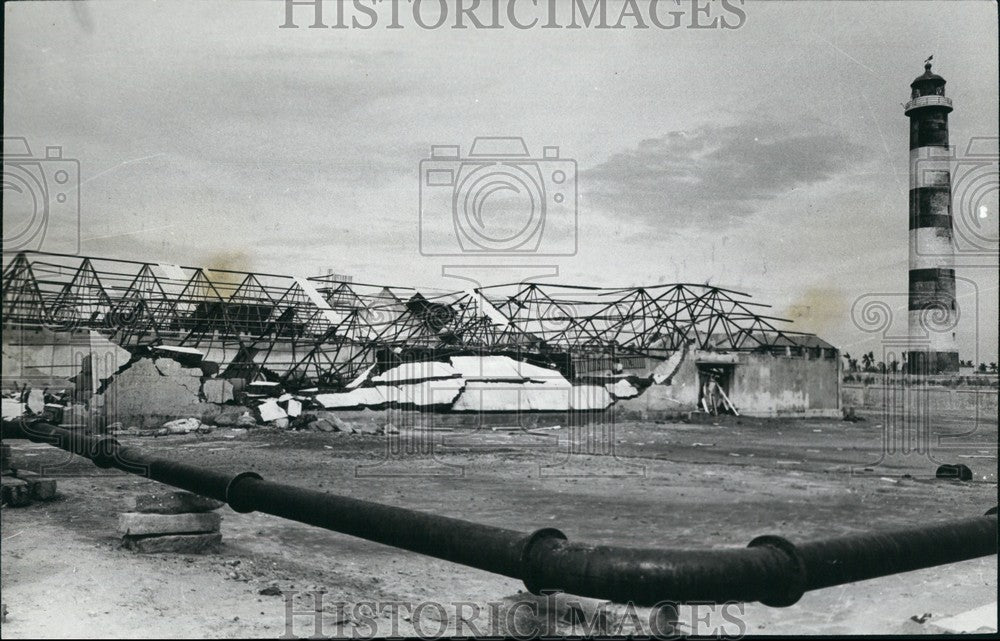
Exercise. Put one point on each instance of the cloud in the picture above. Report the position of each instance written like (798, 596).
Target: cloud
(715, 175)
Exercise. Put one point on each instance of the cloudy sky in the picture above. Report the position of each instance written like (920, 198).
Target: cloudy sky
(771, 158)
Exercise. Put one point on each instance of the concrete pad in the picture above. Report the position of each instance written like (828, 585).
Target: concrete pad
(175, 503)
(137, 523)
(177, 543)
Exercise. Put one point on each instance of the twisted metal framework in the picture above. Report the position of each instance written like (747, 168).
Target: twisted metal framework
(653, 320)
(323, 331)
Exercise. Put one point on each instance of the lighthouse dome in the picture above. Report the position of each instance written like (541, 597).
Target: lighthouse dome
(927, 78)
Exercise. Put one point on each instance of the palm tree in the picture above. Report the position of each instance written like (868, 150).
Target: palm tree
(868, 361)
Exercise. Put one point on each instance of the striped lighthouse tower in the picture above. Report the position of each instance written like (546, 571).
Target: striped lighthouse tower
(932, 309)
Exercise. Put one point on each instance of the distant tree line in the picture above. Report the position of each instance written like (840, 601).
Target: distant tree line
(869, 364)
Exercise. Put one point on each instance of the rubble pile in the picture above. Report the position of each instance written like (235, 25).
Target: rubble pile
(164, 390)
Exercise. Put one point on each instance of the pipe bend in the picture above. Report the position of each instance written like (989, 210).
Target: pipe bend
(766, 572)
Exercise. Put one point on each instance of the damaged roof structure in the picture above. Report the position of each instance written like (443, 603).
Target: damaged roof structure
(322, 332)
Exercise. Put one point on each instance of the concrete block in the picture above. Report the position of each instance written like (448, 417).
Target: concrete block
(39, 487)
(14, 492)
(138, 524)
(36, 401)
(175, 503)
(177, 543)
(217, 390)
(271, 411)
(12, 408)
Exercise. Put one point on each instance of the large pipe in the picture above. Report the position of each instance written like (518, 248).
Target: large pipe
(771, 569)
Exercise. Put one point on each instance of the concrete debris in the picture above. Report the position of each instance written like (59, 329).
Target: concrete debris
(281, 423)
(246, 420)
(325, 425)
(622, 389)
(303, 422)
(36, 401)
(664, 372)
(228, 415)
(483, 396)
(12, 408)
(361, 378)
(266, 388)
(175, 503)
(293, 407)
(537, 374)
(271, 411)
(362, 397)
(589, 397)
(425, 394)
(487, 368)
(187, 355)
(419, 371)
(181, 426)
(149, 392)
(217, 390)
(175, 543)
(140, 523)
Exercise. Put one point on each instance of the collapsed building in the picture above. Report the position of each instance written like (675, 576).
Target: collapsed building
(108, 330)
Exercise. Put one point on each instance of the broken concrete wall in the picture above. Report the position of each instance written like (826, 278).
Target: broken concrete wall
(675, 396)
(150, 392)
(72, 359)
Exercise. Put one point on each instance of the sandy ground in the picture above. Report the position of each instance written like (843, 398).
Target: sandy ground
(641, 484)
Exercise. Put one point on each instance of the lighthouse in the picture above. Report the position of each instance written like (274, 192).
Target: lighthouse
(932, 310)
